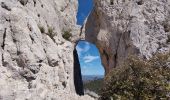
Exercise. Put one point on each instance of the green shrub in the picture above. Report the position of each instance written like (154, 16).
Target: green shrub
(67, 34)
(42, 29)
(139, 79)
(51, 32)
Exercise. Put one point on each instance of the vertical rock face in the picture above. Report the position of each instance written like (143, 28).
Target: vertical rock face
(36, 62)
(123, 27)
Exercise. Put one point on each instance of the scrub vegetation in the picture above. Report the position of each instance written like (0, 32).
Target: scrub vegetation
(139, 79)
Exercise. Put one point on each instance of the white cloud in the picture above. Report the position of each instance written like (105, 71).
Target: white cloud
(90, 58)
(87, 47)
(80, 50)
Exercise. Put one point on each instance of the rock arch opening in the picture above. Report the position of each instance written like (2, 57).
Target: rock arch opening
(87, 67)
(87, 62)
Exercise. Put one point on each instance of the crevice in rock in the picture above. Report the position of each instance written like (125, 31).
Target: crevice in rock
(52, 63)
(78, 83)
(107, 57)
(29, 85)
(4, 63)
(117, 48)
(42, 6)
(21, 62)
(29, 79)
(45, 51)
(3, 5)
(81, 30)
(166, 26)
(27, 74)
(64, 84)
(32, 39)
(34, 2)
(4, 36)
(140, 2)
(115, 58)
(23, 2)
(111, 2)
(38, 15)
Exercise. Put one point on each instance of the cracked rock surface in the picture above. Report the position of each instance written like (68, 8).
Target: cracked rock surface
(36, 62)
(123, 27)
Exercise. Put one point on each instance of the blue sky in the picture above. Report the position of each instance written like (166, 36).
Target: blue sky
(89, 59)
(85, 6)
(88, 53)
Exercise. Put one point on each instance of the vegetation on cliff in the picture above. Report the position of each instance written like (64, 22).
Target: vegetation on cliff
(139, 79)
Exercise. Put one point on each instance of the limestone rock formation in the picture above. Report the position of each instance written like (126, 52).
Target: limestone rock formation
(123, 27)
(36, 62)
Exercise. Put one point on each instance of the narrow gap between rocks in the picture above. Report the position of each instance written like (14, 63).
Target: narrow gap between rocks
(88, 70)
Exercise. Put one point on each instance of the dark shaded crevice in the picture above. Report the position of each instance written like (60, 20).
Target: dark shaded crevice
(117, 48)
(64, 84)
(111, 2)
(81, 30)
(23, 2)
(29, 79)
(3, 5)
(32, 39)
(115, 57)
(4, 63)
(107, 57)
(78, 83)
(34, 2)
(4, 36)
(140, 2)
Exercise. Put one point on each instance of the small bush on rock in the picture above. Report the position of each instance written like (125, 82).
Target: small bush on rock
(67, 34)
(42, 29)
(51, 32)
(139, 79)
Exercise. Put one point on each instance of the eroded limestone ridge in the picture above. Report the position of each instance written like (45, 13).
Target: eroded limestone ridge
(123, 27)
(36, 54)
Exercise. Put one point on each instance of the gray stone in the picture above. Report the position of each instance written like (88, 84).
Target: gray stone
(120, 28)
(36, 63)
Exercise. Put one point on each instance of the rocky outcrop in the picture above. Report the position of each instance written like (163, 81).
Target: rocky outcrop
(123, 27)
(36, 62)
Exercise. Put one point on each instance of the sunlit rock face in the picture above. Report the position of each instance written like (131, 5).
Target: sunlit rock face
(123, 27)
(36, 62)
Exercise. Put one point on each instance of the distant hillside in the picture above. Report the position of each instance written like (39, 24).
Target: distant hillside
(88, 78)
(93, 83)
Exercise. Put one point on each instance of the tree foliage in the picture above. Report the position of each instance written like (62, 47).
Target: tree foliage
(139, 79)
(94, 85)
